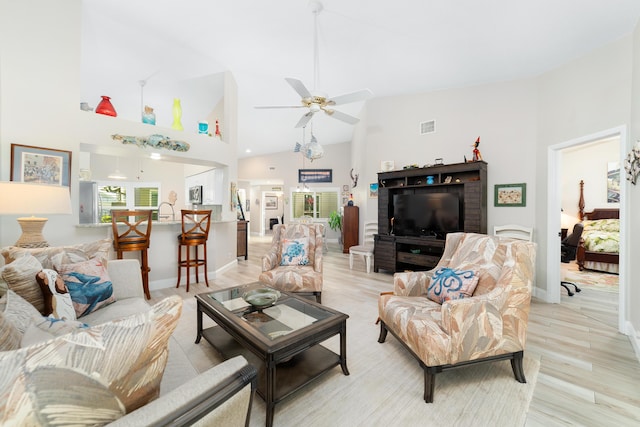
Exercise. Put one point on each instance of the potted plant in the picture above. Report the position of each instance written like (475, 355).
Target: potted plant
(335, 223)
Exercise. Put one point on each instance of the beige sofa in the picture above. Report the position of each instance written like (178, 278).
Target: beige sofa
(125, 367)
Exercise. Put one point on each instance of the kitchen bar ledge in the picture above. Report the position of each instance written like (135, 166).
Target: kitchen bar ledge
(163, 251)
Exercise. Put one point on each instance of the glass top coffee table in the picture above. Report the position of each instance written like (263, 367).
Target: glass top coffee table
(280, 340)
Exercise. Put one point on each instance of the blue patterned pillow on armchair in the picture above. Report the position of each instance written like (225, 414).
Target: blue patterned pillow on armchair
(295, 251)
(450, 284)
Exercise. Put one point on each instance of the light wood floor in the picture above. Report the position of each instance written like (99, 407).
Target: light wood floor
(589, 374)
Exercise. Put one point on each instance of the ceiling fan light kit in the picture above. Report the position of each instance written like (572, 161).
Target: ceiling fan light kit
(315, 100)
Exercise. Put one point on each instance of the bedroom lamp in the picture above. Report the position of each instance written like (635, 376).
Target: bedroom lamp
(18, 198)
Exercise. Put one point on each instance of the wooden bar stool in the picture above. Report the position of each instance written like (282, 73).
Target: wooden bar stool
(136, 237)
(195, 232)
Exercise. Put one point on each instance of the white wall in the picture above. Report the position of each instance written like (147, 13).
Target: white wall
(39, 105)
(503, 115)
(633, 193)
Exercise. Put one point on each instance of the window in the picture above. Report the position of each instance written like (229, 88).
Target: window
(315, 204)
(127, 195)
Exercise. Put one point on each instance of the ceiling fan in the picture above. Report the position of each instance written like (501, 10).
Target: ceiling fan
(316, 101)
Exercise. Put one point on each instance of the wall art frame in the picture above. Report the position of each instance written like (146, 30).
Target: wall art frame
(315, 175)
(510, 195)
(271, 202)
(195, 195)
(39, 165)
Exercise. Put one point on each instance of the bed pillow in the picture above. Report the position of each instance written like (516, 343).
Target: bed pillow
(295, 251)
(57, 300)
(450, 284)
(89, 285)
(20, 276)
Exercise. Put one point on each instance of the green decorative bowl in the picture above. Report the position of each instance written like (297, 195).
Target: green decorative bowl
(262, 297)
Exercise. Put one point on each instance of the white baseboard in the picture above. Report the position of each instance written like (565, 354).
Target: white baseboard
(634, 337)
(171, 281)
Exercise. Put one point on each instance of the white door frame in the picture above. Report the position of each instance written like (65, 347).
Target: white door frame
(553, 219)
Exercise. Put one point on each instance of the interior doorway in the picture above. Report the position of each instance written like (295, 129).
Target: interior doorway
(554, 195)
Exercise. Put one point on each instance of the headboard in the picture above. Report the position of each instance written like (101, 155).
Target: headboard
(598, 213)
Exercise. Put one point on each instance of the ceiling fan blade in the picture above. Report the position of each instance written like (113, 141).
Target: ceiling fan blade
(304, 119)
(342, 116)
(360, 95)
(279, 106)
(299, 87)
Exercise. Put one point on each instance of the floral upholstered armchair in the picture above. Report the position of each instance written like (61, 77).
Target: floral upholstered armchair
(472, 307)
(294, 260)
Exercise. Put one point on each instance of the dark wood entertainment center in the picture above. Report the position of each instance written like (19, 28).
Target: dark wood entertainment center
(467, 181)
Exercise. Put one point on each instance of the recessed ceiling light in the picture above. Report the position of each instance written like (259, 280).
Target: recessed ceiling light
(156, 156)
(248, 150)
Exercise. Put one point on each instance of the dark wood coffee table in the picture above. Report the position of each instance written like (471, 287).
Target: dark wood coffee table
(281, 340)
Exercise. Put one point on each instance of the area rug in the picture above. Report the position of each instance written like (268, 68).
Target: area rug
(588, 278)
(391, 395)
(385, 386)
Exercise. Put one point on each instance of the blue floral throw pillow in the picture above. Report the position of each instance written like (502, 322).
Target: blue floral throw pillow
(450, 284)
(295, 251)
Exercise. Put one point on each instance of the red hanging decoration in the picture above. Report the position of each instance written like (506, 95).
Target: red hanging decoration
(105, 107)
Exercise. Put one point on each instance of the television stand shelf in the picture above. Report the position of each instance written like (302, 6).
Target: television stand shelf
(466, 181)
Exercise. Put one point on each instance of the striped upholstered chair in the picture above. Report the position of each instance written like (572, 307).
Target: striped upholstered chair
(294, 260)
(472, 307)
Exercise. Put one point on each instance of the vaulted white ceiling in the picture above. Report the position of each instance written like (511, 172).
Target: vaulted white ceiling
(390, 47)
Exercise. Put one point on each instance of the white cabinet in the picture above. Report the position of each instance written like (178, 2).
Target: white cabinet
(212, 184)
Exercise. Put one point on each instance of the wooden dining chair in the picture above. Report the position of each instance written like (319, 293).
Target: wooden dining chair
(195, 232)
(132, 232)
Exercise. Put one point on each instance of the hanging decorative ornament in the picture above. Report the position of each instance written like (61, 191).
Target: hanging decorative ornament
(177, 115)
(218, 134)
(313, 150)
(105, 107)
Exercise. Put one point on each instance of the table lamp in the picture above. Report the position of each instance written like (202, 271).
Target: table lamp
(18, 198)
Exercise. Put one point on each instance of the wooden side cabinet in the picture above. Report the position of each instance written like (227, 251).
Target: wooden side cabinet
(350, 224)
(243, 236)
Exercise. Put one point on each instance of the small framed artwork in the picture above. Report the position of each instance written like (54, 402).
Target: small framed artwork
(271, 202)
(40, 165)
(195, 194)
(315, 175)
(613, 182)
(510, 195)
(373, 191)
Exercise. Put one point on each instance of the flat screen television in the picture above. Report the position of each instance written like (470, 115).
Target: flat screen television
(427, 214)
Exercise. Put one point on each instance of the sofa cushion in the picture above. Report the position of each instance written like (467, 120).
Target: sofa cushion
(52, 256)
(120, 308)
(20, 276)
(295, 251)
(57, 300)
(43, 328)
(9, 334)
(89, 285)
(451, 284)
(18, 311)
(126, 356)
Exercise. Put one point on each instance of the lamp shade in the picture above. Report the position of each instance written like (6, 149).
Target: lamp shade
(19, 198)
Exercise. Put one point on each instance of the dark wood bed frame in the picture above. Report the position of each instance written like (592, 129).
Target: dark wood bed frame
(601, 213)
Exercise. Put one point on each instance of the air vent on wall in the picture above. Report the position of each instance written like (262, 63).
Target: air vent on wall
(427, 127)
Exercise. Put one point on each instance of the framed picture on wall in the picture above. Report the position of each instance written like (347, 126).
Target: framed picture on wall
(39, 165)
(315, 175)
(510, 195)
(195, 194)
(271, 202)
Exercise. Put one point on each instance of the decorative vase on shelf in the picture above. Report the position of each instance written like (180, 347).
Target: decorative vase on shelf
(148, 117)
(105, 107)
(177, 115)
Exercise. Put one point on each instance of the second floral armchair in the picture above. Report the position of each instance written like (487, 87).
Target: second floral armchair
(294, 260)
